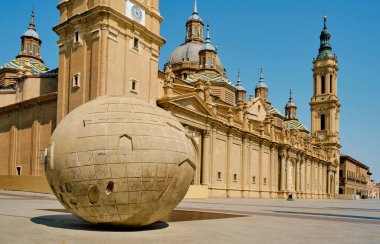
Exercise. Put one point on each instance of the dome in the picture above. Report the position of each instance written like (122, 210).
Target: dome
(120, 161)
(190, 52)
(195, 17)
(295, 124)
(36, 67)
(31, 33)
(186, 52)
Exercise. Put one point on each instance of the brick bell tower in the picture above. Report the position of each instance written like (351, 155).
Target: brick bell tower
(325, 105)
(107, 48)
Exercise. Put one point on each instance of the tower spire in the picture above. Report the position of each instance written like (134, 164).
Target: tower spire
(195, 7)
(325, 50)
(32, 26)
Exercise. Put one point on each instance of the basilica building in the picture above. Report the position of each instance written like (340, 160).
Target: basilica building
(245, 146)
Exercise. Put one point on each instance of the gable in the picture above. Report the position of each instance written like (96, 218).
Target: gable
(258, 108)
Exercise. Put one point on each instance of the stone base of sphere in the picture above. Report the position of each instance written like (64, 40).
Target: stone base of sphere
(120, 161)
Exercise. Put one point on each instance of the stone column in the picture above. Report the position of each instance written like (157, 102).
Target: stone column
(328, 182)
(13, 142)
(260, 175)
(35, 139)
(244, 167)
(283, 170)
(303, 175)
(229, 159)
(312, 181)
(324, 179)
(206, 157)
(298, 177)
(272, 177)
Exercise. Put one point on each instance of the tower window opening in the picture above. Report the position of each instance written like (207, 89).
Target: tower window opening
(77, 38)
(34, 50)
(323, 84)
(209, 62)
(19, 170)
(136, 43)
(76, 81)
(134, 85)
(331, 83)
(27, 48)
(258, 108)
(323, 122)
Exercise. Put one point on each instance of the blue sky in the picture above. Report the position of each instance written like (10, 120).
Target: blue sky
(280, 36)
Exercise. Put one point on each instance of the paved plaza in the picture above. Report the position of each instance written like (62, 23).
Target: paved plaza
(39, 218)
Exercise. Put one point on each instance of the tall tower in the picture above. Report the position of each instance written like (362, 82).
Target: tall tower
(325, 106)
(261, 90)
(290, 109)
(194, 26)
(107, 48)
(31, 43)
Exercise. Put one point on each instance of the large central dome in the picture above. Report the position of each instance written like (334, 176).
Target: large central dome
(189, 52)
(197, 54)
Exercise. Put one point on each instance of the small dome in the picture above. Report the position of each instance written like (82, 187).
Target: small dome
(326, 54)
(261, 81)
(195, 17)
(294, 124)
(290, 104)
(31, 33)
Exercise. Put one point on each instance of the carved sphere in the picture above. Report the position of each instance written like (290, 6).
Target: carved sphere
(120, 161)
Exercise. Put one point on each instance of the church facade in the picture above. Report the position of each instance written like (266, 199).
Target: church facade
(245, 147)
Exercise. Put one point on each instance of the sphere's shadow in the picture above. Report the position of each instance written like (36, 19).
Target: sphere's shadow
(68, 221)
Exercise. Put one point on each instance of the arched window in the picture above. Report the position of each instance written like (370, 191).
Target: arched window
(323, 122)
(331, 84)
(323, 84)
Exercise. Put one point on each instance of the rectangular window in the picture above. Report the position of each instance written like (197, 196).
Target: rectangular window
(76, 81)
(27, 48)
(134, 85)
(265, 181)
(77, 37)
(209, 62)
(323, 122)
(136, 43)
(323, 84)
(235, 177)
(219, 175)
(34, 50)
(254, 179)
(19, 170)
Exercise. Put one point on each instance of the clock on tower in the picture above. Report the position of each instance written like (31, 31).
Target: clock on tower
(135, 12)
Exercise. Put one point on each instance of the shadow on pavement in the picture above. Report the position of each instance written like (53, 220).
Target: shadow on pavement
(68, 221)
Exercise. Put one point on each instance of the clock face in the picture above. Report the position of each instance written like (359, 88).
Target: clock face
(137, 13)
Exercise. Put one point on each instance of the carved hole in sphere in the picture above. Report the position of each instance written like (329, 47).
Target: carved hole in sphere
(109, 189)
(93, 194)
(125, 145)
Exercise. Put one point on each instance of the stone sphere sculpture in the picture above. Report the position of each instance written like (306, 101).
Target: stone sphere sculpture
(120, 161)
